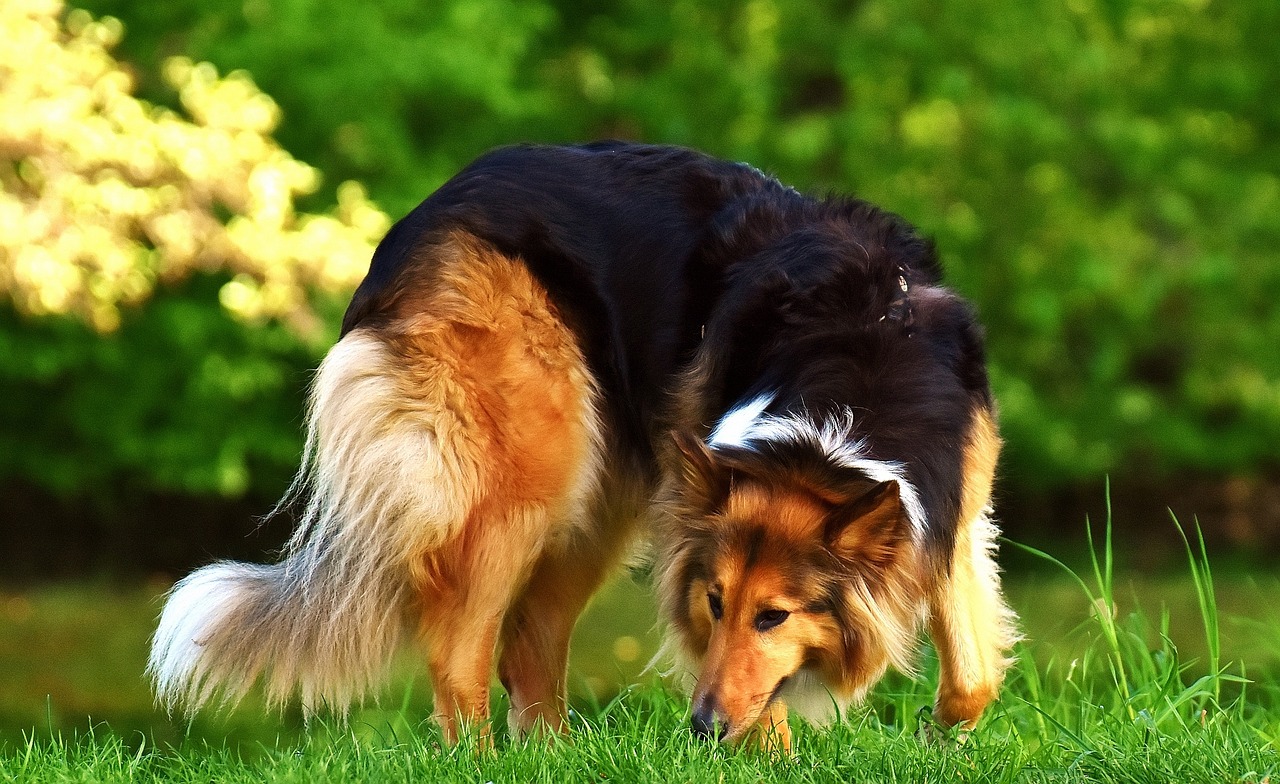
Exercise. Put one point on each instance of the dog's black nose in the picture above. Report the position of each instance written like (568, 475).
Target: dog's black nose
(706, 724)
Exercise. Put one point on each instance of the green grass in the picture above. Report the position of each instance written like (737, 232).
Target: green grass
(1104, 690)
(642, 738)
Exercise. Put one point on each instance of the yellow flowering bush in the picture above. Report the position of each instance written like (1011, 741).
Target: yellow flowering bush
(103, 196)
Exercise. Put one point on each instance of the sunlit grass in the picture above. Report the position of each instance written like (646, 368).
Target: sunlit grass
(1121, 679)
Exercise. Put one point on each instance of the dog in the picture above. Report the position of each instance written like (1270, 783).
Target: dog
(566, 349)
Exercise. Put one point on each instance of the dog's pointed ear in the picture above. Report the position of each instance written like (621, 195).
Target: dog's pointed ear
(868, 529)
(704, 483)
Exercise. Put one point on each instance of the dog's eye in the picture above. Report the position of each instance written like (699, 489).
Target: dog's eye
(716, 604)
(768, 619)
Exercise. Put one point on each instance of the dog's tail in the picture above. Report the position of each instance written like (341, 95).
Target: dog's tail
(375, 493)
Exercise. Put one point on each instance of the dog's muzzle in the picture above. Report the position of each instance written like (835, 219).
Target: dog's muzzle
(706, 723)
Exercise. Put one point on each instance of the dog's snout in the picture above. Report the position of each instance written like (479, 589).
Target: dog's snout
(707, 724)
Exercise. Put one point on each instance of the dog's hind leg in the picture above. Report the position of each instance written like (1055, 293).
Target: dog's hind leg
(472, 584)
(535, 638)
(516, 412)
(452, 434)
(971, 626)
(533, 665)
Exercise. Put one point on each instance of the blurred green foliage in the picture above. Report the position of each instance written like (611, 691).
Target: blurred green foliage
(181, 397)
(1102, 178)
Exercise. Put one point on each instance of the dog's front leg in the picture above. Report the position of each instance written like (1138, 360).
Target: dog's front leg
(971, 626)
(772, 730)
(972, 629)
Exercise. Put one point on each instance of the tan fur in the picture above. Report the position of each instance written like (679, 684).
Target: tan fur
(981, 453)
(454, 484)
(773, 730)
(970, 623)
(741, 666)
(486, 351)
(874, 532)
(454, 454)
(533, 665)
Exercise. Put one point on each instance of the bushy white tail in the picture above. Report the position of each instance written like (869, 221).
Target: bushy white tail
(324, 623)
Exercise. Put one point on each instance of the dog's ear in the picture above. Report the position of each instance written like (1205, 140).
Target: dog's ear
(704, 483)
(867, 530)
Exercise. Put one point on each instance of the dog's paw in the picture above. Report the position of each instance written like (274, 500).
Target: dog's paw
(933, 732)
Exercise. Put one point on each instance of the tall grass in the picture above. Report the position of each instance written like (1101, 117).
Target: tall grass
(1145, 679)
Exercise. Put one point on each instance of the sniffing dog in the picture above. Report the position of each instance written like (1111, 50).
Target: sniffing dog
(565, 348)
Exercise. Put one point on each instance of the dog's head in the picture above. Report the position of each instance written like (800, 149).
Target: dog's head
(773, 568)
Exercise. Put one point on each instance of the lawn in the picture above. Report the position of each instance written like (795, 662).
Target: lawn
(1127, 679)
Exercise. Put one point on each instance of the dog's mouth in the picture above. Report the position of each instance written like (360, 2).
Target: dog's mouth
(777, 690)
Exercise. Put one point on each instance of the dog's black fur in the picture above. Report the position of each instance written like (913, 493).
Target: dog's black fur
(661, 258)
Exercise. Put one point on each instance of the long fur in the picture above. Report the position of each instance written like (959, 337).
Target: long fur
(835, 437)
(325, 621)
(521, 352)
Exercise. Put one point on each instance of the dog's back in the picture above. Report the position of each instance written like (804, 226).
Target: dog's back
(615, 232)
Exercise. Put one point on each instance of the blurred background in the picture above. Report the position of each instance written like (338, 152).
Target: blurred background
(190, 190)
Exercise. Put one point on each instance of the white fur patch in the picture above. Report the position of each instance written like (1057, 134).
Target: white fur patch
(834, 437)
(983, 660)
(734, 427)
(808, 696)
(195, 607)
